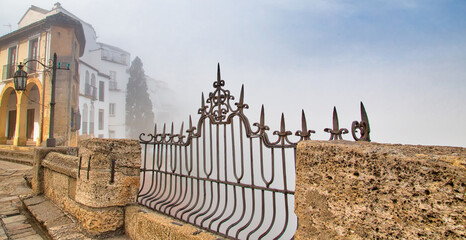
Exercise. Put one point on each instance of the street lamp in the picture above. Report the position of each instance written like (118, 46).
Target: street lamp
(20, 80)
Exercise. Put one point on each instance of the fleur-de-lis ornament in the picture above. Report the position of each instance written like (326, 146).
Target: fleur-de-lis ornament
(336, 132)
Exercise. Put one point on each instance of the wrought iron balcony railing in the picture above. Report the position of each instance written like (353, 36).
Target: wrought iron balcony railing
(90, 91)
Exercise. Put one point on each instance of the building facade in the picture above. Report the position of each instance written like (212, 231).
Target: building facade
(25, 115)
(103, 100)
(103, 75)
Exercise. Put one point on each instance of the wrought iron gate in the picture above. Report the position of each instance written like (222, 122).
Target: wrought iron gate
(226, 175)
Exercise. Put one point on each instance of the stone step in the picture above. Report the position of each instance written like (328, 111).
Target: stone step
(17, 156)
(56, 222)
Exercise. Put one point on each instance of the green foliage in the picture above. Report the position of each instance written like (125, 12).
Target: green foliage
(139, 114)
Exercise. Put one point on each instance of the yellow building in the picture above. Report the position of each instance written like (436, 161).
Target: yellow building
(25, 115)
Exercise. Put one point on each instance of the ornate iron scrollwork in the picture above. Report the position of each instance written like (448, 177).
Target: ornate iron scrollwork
(361, 127)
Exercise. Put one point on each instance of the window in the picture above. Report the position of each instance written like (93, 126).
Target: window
(101, 119)
(111, 109)
(101, 91)
(33, 47)
(91, 120)
(113, 82)
(92, 88)
(84, 119)
(11, 62)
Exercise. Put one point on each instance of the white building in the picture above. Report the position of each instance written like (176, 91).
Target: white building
(103, 77)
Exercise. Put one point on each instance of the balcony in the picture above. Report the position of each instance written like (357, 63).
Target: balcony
(90, 91)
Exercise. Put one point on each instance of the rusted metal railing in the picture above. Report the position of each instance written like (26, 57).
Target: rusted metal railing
(223, 174)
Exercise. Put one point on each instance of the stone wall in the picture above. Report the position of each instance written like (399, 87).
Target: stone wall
(94, 184)
(353, 190)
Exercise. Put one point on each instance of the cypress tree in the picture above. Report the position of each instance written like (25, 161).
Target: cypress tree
(139, 115)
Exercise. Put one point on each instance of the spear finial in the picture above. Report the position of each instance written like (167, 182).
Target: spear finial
(282, 123)
(218, 72)
(303, 121)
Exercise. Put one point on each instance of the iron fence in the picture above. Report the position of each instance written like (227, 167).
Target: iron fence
(223, 174)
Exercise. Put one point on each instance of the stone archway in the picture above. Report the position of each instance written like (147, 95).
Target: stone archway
(12, 102)
(8, 102)
(30, 114)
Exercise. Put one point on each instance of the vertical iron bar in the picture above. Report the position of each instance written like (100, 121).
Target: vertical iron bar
(112, 173)
(284, 194)
(191, 185)
(262, 216)
(88, 166)
(144, 174)
(79, 166)
(173, 203)
(217, 140)
(274, 210)
(253, 211)
(226, 179)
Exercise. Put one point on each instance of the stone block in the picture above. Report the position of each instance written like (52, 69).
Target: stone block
(72, 188)
(357, 190)
(55, 186)
(144, 224)
(64, 164)
(99, 192)
(94, 187)
(96, 221)
(39, 154)
(101, 152)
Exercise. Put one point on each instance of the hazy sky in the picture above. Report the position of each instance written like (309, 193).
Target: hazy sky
(405, 59)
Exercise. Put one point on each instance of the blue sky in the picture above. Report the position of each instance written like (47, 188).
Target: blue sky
(406, 60)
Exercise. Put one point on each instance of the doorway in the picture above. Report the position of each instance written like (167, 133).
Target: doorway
(11, 124)
(30, 124)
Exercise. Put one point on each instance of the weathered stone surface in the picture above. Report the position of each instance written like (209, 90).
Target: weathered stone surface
(89, 195)
(34, 200)
(99, 192)
(101, 152)
(23, 234)
(17, 218)
(58, 224)
(45, 212)
(65, 164)
(32, 237)
(352, 190)
(144, 224)
(39, 155)
(56, 186)
(67, 232)
(96, 221)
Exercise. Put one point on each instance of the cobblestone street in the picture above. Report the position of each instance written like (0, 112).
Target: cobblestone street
(14, 223)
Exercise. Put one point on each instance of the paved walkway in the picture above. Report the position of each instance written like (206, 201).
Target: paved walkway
(14, 223)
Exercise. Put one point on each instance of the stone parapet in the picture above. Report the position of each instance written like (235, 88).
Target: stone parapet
(40, 153)
(109, 172)
(61, 163)
(353, 190)
(93, 184)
